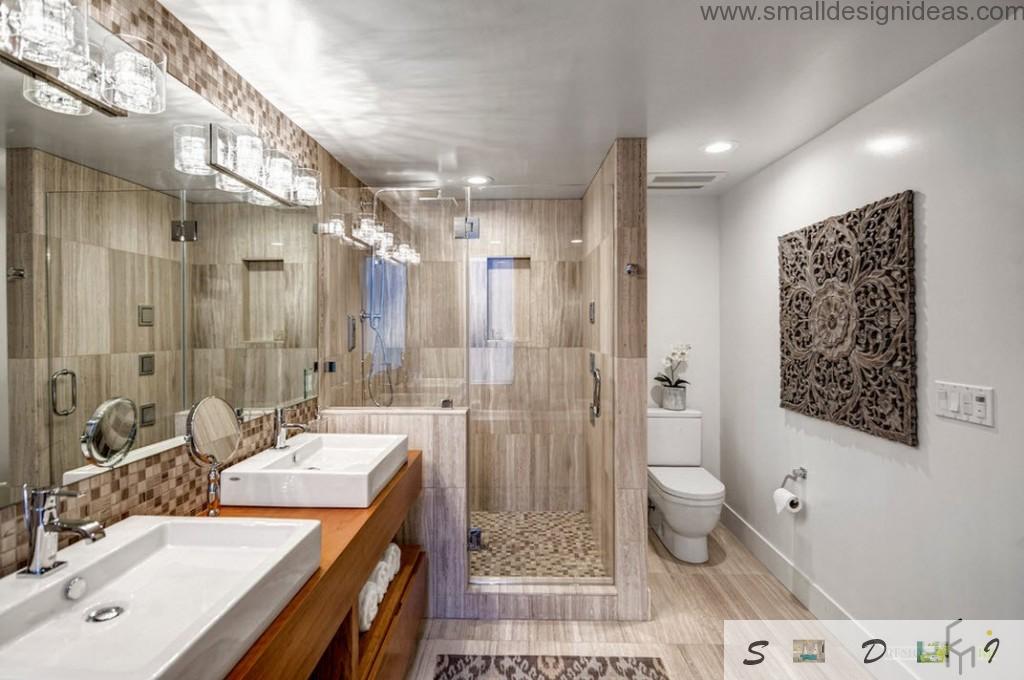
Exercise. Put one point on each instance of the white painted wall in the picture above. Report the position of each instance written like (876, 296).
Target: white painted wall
(682, 299)
(889, 530)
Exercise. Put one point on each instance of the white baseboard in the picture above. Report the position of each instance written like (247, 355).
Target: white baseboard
(800, 584)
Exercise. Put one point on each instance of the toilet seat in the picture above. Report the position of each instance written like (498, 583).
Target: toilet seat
(687, 483)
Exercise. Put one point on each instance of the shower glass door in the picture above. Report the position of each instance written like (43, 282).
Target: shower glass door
(530, 391)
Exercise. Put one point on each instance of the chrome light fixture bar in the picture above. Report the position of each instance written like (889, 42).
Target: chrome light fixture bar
(48, 41)
(49, 76)
(224, 166)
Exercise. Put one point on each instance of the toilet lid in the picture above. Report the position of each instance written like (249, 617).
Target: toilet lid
(694, 483)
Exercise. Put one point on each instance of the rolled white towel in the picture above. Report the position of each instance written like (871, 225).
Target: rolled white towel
(393, 556)
(369, 600)
(381, 577)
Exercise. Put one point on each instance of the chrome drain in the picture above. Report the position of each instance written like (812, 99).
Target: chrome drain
(312, 467)
(104, 614)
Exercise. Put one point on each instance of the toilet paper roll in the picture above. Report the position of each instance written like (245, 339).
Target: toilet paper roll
(784, 500)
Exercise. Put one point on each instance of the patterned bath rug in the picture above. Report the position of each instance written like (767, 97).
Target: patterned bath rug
(508, 667)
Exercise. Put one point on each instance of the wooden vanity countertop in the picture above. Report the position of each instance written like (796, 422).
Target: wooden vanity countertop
(351, 542)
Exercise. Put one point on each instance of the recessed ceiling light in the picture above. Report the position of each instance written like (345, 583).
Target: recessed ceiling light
(889, 145)
(277, 244)
(721, 146)
(495, 243)
(576, 240)
(479, 180)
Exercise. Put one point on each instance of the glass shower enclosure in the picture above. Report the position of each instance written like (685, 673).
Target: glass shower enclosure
(502, 325)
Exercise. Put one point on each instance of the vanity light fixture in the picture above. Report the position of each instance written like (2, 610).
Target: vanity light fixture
(406, 254)
(192, 150)
(576, 241)
(224, 158)
(6, 30)
(306, 188)
(243, 164)
(45, 30)
(54, 99)
(136, 74)
(479, 180)
(279, 172)
(48, 40)
(250, 156)
(720, 146)
(366, 231)
(83, 71)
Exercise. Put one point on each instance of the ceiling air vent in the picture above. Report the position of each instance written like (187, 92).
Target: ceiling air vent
(681, 180)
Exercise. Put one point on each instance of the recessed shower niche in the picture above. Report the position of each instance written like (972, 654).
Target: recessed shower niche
(263, 310)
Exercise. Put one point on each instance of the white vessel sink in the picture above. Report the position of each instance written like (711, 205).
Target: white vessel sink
(317, 471)
(195, 594)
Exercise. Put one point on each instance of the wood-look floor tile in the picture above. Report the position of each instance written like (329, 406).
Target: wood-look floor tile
(689, 605)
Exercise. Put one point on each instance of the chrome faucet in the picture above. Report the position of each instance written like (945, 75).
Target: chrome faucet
(44, 525)
(281, 428)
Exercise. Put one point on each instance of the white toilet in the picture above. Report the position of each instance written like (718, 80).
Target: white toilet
(686, 498)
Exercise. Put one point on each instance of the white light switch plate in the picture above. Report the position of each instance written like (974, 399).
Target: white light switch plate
(969, 403)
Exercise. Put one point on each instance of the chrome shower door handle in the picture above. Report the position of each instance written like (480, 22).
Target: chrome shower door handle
(595, 403)
(54, 379)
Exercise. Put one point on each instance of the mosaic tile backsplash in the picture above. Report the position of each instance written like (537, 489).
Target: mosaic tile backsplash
(164, 484)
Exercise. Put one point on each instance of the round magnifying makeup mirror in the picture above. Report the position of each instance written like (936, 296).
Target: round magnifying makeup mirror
(212, 434)
(110, 432)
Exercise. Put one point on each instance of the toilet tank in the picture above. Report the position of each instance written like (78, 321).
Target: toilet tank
(673, 437)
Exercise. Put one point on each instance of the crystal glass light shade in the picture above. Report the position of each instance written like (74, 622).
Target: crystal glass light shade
(82, 62)
(367, 231)
(192, 150)
(249, 155)
(136, 74)
(45, 30)
(84, 72)
(279, 172)
(306, 188)
(47, 96)
(6, 30)
(226, 156)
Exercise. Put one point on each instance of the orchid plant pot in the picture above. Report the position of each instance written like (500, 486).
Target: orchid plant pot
(673, 398)
(673, 387)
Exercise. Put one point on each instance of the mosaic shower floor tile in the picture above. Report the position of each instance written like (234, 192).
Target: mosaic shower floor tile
(535, 544)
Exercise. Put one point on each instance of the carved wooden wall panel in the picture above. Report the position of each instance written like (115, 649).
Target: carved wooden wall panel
(846, 316)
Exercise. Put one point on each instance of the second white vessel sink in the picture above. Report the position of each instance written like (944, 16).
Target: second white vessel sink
(317, 471)
(159, 597)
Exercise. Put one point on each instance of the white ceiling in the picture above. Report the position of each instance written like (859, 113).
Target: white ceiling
(532, 92)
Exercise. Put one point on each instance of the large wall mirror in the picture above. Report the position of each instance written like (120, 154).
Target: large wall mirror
(106, 299)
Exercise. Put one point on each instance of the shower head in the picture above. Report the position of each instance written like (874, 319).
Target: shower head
(438, 198)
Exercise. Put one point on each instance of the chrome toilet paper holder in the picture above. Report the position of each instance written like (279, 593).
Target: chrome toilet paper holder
(797, 473)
